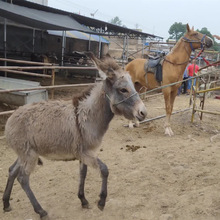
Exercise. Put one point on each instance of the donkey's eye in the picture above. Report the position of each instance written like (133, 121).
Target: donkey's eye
(123, 90)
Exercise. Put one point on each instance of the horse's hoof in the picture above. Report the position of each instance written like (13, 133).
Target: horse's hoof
(137, 125)
(131, 125)
(168, 131)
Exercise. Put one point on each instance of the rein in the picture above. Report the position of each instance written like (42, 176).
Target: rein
(175, 63)
(121, 100)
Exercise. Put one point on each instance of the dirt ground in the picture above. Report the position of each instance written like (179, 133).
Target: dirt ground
(152, 176)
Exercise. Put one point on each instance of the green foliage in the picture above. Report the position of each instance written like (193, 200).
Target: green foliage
(116, 21)
(204, 30)
(177, 30)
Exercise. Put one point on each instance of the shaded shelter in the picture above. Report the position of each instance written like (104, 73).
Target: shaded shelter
(40, 17)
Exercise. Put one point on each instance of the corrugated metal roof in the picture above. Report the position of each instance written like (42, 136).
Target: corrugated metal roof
(101, 27)
(40, 19)
(79, 35)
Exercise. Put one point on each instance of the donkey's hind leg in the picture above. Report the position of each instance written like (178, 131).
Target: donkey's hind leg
(13, 173)
(81, 195)
(23, 179)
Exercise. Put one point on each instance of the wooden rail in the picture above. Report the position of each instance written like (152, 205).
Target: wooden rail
(26, 62)
(3, 68)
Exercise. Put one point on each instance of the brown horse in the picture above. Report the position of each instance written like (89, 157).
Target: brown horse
(173, 68)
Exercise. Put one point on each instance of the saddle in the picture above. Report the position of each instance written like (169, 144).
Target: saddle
(153, 61)
(154, 65)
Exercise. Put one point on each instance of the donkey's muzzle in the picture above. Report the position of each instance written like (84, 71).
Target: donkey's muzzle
(142, 113)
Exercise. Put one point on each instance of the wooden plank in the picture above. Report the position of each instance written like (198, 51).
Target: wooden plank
(48, 87)
(26, 62)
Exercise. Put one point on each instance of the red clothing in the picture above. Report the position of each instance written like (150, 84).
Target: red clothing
(191, 69)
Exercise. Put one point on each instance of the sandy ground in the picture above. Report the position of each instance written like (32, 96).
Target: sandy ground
(163, 178)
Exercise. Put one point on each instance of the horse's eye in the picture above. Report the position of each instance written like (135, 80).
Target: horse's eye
(123, 90)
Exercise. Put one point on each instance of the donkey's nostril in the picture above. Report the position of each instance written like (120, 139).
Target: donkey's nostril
(143, 114)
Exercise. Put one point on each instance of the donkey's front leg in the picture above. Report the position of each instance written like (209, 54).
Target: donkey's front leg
(81, 195)
(104, 174)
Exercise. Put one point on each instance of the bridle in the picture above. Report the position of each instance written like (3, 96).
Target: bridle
(114, 104)
(187, 40)
(202, 42)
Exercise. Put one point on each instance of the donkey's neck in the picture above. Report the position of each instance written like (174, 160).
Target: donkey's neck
(94, 114)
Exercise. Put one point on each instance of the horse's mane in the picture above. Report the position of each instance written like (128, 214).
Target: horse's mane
(176, 45)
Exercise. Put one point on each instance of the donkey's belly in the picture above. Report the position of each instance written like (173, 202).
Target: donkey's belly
(64, 157)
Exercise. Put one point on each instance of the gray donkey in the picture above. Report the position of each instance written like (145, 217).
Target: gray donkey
(60, 130)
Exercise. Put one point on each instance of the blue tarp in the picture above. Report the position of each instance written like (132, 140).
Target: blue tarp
(79, 35)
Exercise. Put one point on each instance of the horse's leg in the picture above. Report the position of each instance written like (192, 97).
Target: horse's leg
(136, 123)
(130, 124)
(81, 195)
(167, 99)
(173, 95)
(13, 173)
(104, 174)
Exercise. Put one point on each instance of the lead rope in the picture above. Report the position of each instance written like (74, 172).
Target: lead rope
(121, 100)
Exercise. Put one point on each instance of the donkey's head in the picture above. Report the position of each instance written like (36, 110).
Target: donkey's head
(119, 89)
(197, 39)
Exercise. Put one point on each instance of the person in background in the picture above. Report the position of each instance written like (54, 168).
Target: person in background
(183, 88)
(192, 66)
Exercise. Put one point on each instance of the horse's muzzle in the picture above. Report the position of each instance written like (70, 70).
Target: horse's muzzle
(209, 43)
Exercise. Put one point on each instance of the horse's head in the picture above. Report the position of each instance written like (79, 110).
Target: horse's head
(119, 90)
(197, 39)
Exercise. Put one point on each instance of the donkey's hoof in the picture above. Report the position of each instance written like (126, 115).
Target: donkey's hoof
(7, 209)
(43, 215)
(101, 205)
(86, 206)
(46, 217)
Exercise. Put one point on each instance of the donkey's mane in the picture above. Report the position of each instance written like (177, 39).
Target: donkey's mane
(85, 93)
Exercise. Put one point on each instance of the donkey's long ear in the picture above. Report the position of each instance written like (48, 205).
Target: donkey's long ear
(93, 58)
(97, 62)
(107, 66)
(188, 28)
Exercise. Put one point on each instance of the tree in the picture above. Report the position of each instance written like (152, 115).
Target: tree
(177, 30)
(116, 21)
(205, 31)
